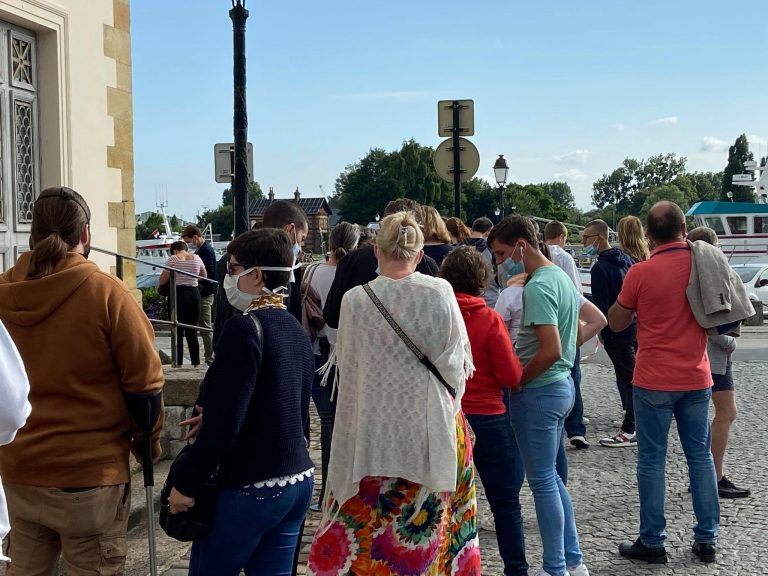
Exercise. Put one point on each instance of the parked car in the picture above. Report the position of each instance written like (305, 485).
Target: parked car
(755, 278)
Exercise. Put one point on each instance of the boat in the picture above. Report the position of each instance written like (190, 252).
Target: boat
(157, 250)
(741, 227)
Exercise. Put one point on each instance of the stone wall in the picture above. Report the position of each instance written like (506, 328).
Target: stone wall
(181, 389)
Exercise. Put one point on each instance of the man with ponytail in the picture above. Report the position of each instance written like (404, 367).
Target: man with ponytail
(85, 343)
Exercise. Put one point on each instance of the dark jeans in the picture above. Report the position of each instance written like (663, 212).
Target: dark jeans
(255, 529)
(326, 409)
(622, 355)
(500, 467)
(187, 312)
(574, 423)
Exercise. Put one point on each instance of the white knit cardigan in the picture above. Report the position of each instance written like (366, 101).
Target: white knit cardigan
(393, 416)
(14, 409)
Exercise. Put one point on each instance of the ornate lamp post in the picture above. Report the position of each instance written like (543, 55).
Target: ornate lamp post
(500, 171)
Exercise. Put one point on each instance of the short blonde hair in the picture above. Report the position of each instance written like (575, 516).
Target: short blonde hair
(399, 236)
(435, 229)
(632, 239)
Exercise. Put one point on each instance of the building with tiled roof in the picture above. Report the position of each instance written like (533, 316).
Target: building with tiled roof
(316, 209)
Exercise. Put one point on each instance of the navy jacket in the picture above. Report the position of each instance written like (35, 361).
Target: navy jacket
(208, 256)
(256, 399)
(607, 278)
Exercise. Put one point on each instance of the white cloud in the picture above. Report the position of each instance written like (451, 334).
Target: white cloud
(755, 141)
(573, 175)
(670, 120)
(712, 144)
(394, 96)
(619, 127)
(575, 157)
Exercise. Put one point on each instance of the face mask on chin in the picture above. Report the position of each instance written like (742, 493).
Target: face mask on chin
(513, 268)
(591, 250)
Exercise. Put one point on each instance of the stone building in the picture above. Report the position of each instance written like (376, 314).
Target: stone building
(316, 209)
(66, 117)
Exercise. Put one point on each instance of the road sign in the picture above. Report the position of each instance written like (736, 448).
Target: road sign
(468, 164)
(445, 117)
(224, 161)
(742, 178)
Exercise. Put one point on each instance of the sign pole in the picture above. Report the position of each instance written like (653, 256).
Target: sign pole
(239, 15)
(456, 160)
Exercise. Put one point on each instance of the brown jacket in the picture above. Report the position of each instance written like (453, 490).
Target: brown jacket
(84, 341)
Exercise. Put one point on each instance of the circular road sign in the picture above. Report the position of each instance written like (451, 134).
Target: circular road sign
(469, 159)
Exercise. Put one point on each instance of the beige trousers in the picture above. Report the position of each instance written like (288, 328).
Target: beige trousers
(87, 528)
(206, 307)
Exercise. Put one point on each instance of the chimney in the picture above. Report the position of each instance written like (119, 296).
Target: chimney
(271, 195)
(297, 195)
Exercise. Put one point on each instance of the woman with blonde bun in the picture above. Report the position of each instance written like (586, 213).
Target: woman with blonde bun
(632, 238)
(400, 495)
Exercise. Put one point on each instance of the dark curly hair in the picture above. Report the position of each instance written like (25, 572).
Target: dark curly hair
(466, 270)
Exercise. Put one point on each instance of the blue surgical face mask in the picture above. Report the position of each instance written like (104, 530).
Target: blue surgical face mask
(296, 250)
(513, 268)
(590, 250)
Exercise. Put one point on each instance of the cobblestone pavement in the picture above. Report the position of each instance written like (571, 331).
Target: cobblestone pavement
(603, 488)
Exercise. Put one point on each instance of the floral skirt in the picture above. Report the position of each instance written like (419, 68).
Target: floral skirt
(379, 531)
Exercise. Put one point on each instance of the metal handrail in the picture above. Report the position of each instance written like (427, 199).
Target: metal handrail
(173, 322)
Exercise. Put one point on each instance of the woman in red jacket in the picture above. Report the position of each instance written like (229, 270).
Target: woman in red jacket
(497, 457)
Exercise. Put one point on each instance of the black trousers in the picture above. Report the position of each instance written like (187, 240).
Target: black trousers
(187, 312)
(622, 355)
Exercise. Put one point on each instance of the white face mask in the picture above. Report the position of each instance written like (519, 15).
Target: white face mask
(240, 299)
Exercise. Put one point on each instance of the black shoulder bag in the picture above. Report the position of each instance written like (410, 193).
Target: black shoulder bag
(196, 522)
(408, 342)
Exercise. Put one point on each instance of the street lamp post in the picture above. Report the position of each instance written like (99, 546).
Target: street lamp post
(500, 171)
(497, 212)
(239, 15)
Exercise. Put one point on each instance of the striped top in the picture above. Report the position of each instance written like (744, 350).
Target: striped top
(193, 266)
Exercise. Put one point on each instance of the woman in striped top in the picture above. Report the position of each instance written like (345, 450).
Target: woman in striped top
(187, 298)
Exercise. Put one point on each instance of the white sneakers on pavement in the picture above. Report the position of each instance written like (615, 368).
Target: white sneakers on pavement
(580, 570)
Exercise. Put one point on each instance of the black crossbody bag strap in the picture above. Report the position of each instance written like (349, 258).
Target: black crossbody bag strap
(408, 342)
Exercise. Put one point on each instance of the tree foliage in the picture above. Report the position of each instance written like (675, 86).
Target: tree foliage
(737, 155)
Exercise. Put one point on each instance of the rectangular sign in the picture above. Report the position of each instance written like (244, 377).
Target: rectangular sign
(224, 159)
(445, 118)
(742, 178)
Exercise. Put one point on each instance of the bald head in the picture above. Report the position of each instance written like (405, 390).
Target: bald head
(666, 223)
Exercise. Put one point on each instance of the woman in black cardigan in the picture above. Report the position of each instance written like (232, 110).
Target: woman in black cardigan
(256, 401)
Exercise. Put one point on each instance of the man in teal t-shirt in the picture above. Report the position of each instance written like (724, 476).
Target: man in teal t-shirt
(546, 345)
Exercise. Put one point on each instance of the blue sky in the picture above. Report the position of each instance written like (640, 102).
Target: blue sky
(564, 89)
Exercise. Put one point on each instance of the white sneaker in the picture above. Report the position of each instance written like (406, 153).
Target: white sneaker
(579, 570)
(579, 442)
(621, 440)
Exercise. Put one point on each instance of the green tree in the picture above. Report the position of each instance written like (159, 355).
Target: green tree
(221, 219)
(254, 193)
(145, 229)
(708, 185)
(561, 193)
(737, 155)
(669, 192)
(617, 187)
(479, 198)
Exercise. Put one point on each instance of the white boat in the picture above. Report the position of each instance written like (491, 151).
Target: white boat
(741, 227)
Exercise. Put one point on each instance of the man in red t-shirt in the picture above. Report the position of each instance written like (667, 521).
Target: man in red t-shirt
(671, 378)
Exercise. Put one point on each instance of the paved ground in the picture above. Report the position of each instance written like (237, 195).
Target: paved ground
(603, 488)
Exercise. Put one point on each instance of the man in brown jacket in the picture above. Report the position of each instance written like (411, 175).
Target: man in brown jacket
(85, 343)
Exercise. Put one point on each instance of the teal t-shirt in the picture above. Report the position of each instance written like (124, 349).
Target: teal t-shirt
(549, 298)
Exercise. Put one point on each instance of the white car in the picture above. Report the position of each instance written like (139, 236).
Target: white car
(755, 278)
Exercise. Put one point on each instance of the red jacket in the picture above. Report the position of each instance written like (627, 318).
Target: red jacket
(496, 364)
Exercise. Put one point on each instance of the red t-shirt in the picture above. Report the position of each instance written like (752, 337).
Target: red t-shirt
(496, 364)
(671, 345)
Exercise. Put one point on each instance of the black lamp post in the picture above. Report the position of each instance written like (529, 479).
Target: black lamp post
(500, 171)
(239, 15)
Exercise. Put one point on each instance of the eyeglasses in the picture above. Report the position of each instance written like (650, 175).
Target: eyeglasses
(586, 236)
(231, 267)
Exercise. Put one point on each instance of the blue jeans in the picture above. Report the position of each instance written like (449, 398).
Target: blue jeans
(654, 410)
(498, 462)
(254, 529)
(538, 416)
(574, 422)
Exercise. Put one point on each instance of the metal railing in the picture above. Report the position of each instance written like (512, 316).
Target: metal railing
(173, 322)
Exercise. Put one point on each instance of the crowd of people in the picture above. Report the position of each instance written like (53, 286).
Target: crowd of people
(433, 351)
